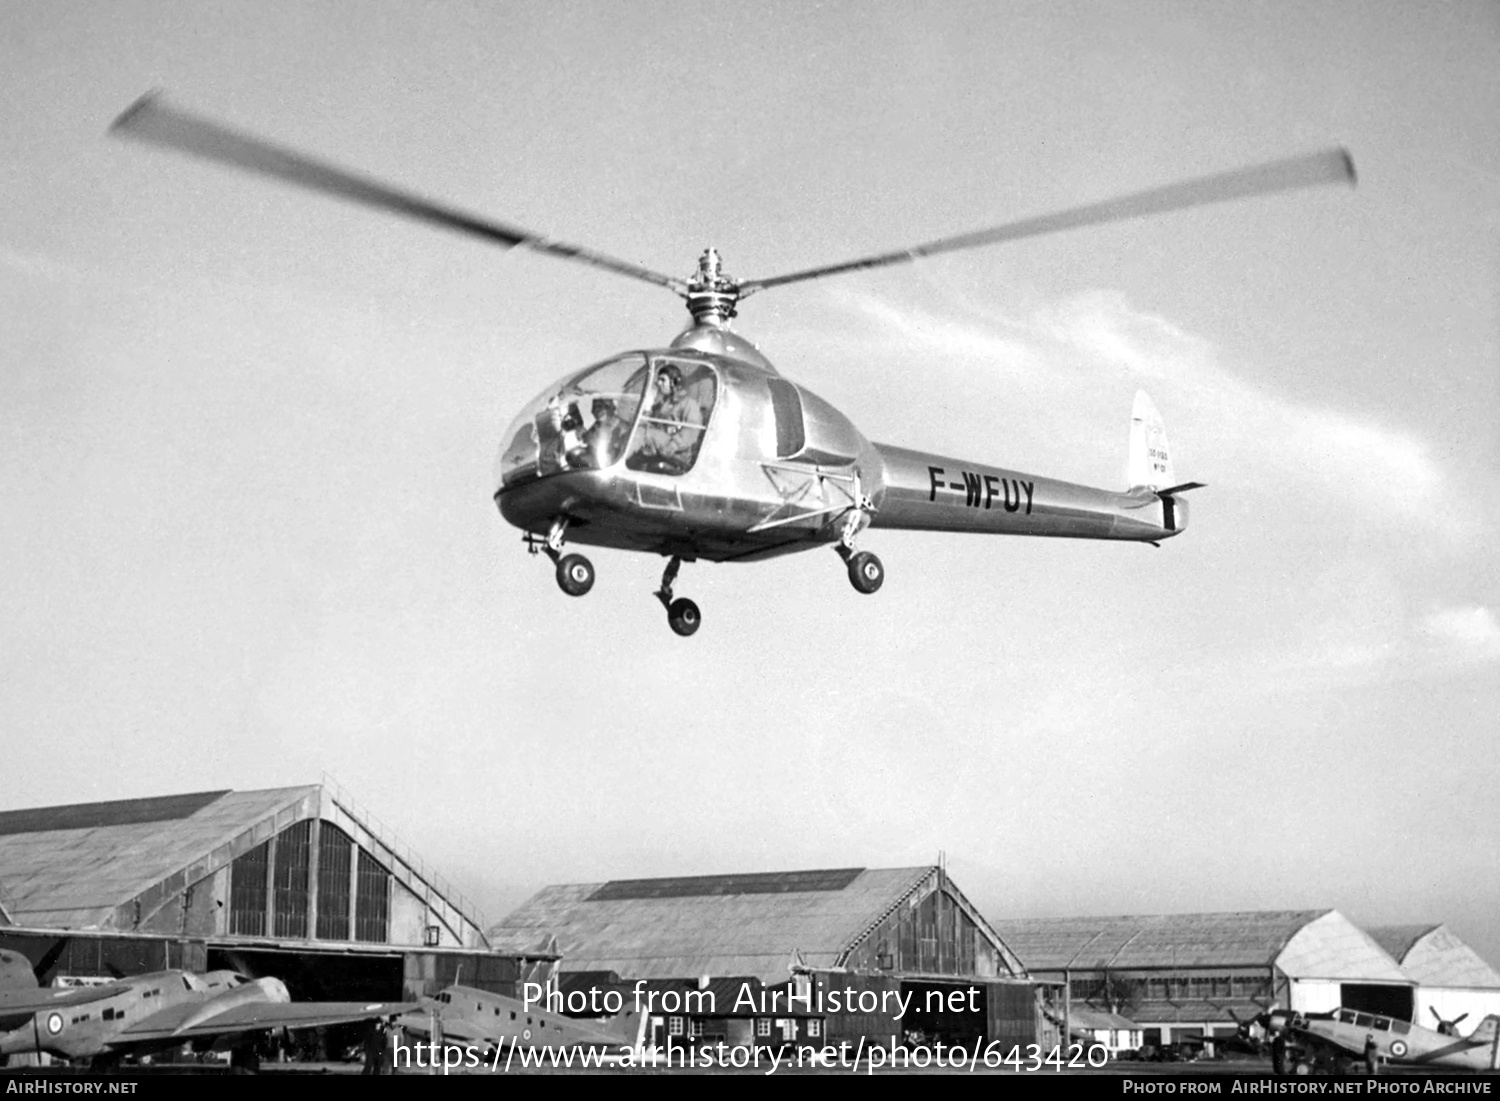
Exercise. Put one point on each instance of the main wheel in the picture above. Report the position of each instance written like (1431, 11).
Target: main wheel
(683, 616)
(865, 572)
(575, 574)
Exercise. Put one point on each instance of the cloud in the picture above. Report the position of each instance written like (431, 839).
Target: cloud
(39, 265)
(1466, 635)
(1240, 430)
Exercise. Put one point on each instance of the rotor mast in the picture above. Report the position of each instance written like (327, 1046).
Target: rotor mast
(711, 295)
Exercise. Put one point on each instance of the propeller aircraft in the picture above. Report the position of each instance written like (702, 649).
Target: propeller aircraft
(218, 1010)
(703, 450)
(1340, 1040)
(484, 1022)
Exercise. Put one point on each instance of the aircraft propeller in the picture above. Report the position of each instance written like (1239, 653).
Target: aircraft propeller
(711, 296)
(1447, 1028)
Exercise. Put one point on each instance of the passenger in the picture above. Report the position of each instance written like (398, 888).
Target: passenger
(604, 437)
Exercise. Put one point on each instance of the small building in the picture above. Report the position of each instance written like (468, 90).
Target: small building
(296, 882)
(815, 956)
(1455, 986)
(1186, 977)
(1116, 1034)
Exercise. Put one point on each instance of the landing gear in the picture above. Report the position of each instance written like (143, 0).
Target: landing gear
(682, 614)
(575, 573)
(866, 573)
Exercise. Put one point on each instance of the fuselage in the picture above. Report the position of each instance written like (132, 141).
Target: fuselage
(1394, 1040)
(94, 1027)
(484, 1020)
(703, 450)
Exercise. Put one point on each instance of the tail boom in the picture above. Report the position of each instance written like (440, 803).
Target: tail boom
(926, 492)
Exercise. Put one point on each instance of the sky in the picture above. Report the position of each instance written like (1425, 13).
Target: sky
(248, 439)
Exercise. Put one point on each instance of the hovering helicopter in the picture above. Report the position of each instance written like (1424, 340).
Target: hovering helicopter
(702, 450)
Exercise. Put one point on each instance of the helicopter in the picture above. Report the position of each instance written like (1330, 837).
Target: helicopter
(702, 450)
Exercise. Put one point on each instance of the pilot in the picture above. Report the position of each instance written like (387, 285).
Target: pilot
(604, 437)
(673, 430)
(1372, 1058)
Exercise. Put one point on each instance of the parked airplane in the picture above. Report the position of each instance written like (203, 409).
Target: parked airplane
(216, 1011)
(1341, 1040)
(478, 1019)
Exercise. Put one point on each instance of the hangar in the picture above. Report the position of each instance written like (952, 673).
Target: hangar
(1191, 976)
(1453, 980)
(881, 938)
(298, 882)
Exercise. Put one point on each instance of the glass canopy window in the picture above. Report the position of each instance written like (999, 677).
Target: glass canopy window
(581, 425)
(585, 424)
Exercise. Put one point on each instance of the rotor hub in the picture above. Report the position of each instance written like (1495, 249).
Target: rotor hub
(711, 295)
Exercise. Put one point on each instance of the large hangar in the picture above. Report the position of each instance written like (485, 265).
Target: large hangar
(296, 882)
(1190, 976)
(1454, 983)
(901, 947)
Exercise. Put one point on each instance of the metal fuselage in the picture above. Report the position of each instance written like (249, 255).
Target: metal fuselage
(1345, 1032)
(772, 469)
(485, 1021)
(92, 1028)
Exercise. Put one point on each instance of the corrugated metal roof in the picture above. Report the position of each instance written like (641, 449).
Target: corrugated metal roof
(1086, 1016)
(1398, 939)
(706, 934)
(69, 874)
(1333, 947)
(1435, 957)
(1240, 939)
(754, 883)
(121, 812)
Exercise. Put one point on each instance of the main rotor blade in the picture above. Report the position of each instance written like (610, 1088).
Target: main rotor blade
(150, 121)
(1330, 166)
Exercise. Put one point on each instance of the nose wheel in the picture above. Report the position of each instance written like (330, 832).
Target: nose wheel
(575, 573)
(683, 615)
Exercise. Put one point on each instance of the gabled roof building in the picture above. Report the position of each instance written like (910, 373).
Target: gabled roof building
(878, 936)
(909, 920)
(1186, 976)
(1455, 986)
(237, 879)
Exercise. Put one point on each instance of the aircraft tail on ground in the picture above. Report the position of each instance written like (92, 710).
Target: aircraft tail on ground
(1487, 1030)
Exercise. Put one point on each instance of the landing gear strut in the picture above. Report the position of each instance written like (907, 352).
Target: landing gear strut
(682, 614)
(866, 573)
(575, 573)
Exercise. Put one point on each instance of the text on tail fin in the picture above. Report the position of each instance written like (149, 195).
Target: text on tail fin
(1150, 455)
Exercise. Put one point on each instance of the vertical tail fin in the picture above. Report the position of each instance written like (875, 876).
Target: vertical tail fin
(1485, 1032)
(1150, 457)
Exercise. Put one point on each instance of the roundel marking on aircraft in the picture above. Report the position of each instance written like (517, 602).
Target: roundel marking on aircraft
(1398, 1047)
(54, 1023)
(526, 1034)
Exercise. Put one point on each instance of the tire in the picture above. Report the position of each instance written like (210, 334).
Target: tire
(575, 574)
(683, 617)
(866, 573)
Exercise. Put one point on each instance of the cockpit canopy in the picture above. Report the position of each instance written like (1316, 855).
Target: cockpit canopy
(649, 410)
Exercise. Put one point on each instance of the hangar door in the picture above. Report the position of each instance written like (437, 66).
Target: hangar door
(1387, 1000)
